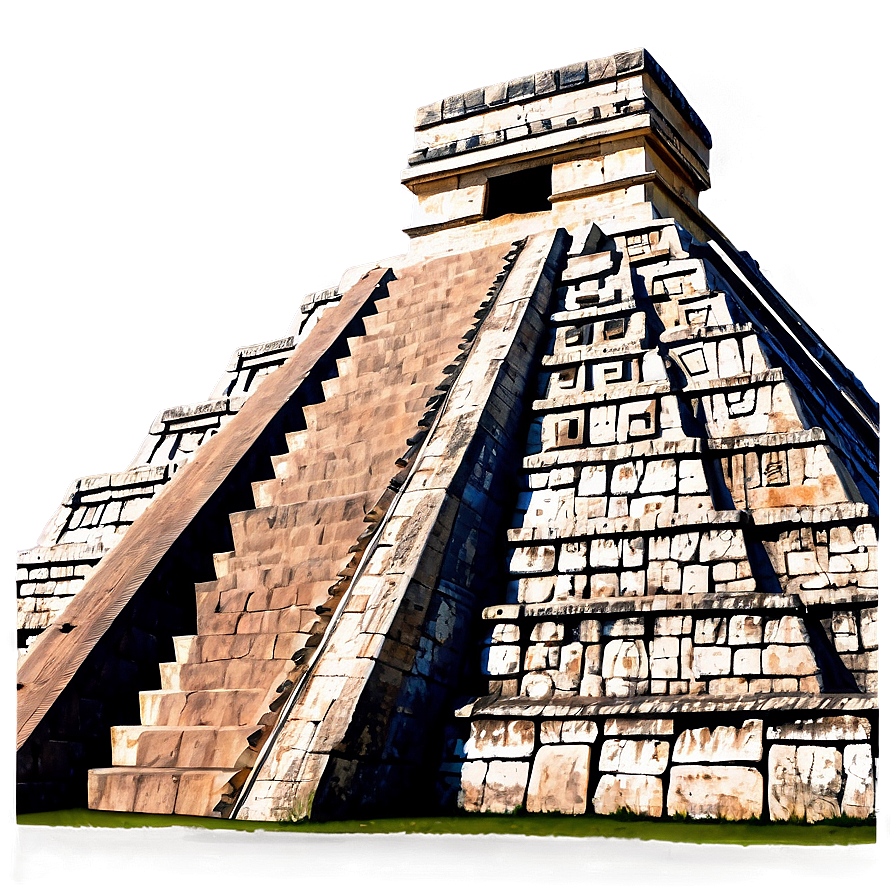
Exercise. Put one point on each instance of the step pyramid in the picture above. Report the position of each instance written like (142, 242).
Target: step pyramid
(567, 510)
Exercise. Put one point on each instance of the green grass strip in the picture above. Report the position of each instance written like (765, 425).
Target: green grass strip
(831, 832)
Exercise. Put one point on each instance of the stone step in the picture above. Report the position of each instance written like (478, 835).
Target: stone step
(160, 791)
(167, 746)
(220, 707)
(258, 645)
(226, 673)
(249, 525)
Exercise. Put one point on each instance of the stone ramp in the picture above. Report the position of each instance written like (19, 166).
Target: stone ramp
(55, 657)
(258, 621)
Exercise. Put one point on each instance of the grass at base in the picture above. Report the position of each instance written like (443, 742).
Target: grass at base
(832, 832)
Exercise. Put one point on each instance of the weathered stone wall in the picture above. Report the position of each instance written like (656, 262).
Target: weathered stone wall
(763, 758)
(684, 529)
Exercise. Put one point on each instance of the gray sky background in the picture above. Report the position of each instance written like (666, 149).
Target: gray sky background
(178, 175)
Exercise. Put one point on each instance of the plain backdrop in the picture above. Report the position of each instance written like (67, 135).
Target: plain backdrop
(176, 176)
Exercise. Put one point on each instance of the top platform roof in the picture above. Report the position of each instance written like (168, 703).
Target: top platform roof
(560, 80)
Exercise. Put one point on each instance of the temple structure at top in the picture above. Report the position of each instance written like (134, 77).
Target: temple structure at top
(566, 510)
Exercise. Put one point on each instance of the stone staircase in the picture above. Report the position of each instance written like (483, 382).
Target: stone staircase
(259, 621)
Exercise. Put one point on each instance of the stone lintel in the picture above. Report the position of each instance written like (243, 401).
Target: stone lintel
(624, 526)
(813, 436)
(579, 707)
(595, 352)
(624, 451)
(741, 381)
(804, 515)
(705, 334)
(594, 312)
(714, 601)
(609, 395)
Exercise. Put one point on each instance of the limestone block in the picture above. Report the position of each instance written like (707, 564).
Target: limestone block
(570, 672)
(628, 626)
(501, 739)
(802, 563)
(637, 726)
(691, 478)
(724, 572)
(711, 661)
(591, 685)
(590, 631)
(641, 794)
(570, 587)
(646, 757)
(537, 685)
(547, 631)
(593, 481)
(505, 633)
(840, 540)
(501, 659)
(824, 728)
(732, 792)
(858, 793)
(533, 558)
(783, 660)
(536, 658)
(713, 630)
(727, 686)
(672, 625)
(845, 632)
(868, 626)
(578, 731)
(632, 550)
(721, 544)
(660, 476)
(551, 730)
(694, 579)
(604, 585)
(722, 744)
(786, 630)
(573, 556)
(747, 661)
(472, 785)
(535, 590)
(559, 779)
(626, 478)
(745, 630)
(684, 546)
(605, 553)
(804, 782)
(625, 659)
(632, 582)
(664, 657)
(505, 786)
(562, 476)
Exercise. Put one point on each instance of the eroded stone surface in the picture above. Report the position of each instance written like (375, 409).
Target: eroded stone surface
(559, 780)
(722, 744)
(642, 794)
(804, 782)
(731, 792)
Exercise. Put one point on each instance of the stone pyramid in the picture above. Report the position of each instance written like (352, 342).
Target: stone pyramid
(566, 510)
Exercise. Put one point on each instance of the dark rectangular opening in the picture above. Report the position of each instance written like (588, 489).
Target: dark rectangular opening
(519, 192)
